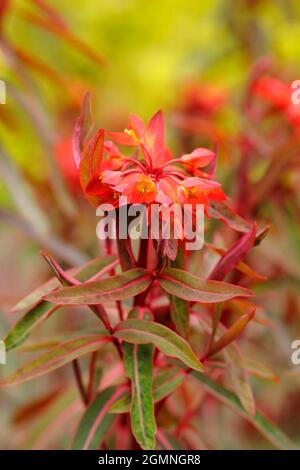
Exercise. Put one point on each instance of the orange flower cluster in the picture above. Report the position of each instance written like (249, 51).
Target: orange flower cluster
(150, 175)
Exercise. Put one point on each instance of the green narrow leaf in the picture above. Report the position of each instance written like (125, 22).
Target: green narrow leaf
(138, 366)
(163, 385)
(120, 287)
(240, 379)
(180, 315)
(96, 421)
(166, 340)
(179, 307)
(27, 323)
(56, 357)
(196, 289)
(259, 421)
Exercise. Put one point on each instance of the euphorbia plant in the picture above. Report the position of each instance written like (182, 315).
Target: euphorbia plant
(168, 330)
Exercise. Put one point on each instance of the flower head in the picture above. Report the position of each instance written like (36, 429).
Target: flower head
(150, 175)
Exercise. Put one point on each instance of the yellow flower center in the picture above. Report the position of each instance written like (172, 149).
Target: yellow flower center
(132, 133)
(145, 187)
(191, 192)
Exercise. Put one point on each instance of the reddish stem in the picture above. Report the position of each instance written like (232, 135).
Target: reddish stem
(79, 381)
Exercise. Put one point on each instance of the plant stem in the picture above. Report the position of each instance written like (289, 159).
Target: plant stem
(79, 381)
(92, 370)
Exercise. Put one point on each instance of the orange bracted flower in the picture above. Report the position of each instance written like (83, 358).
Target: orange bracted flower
(197, 160)
(150, 175)
(200, 191)
(134, 184)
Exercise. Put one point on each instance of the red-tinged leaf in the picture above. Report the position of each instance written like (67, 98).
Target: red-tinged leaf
(64, 277)
(96, 421)
(90, 270)
(239, 306)
(32, 299)
(222, 211)
(41, 67)
(216, 318)
(55, 421)
(245, 269)
(258, 369)
(234, 255)
(63, 32)
(235, 367)
(166, 340)
(122, 138)
(120, 287)
(82, 129)
(57, 357)
(269, 430)
(196, 289)
(32, 409)
(232, 333)
(67, 280)
(261, 234)
(237, 371)
(50, 12)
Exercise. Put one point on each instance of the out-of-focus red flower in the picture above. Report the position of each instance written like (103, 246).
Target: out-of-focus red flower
(198, 113)
(278, 94)
(64, 156)
(273, 90)
(200, 98)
